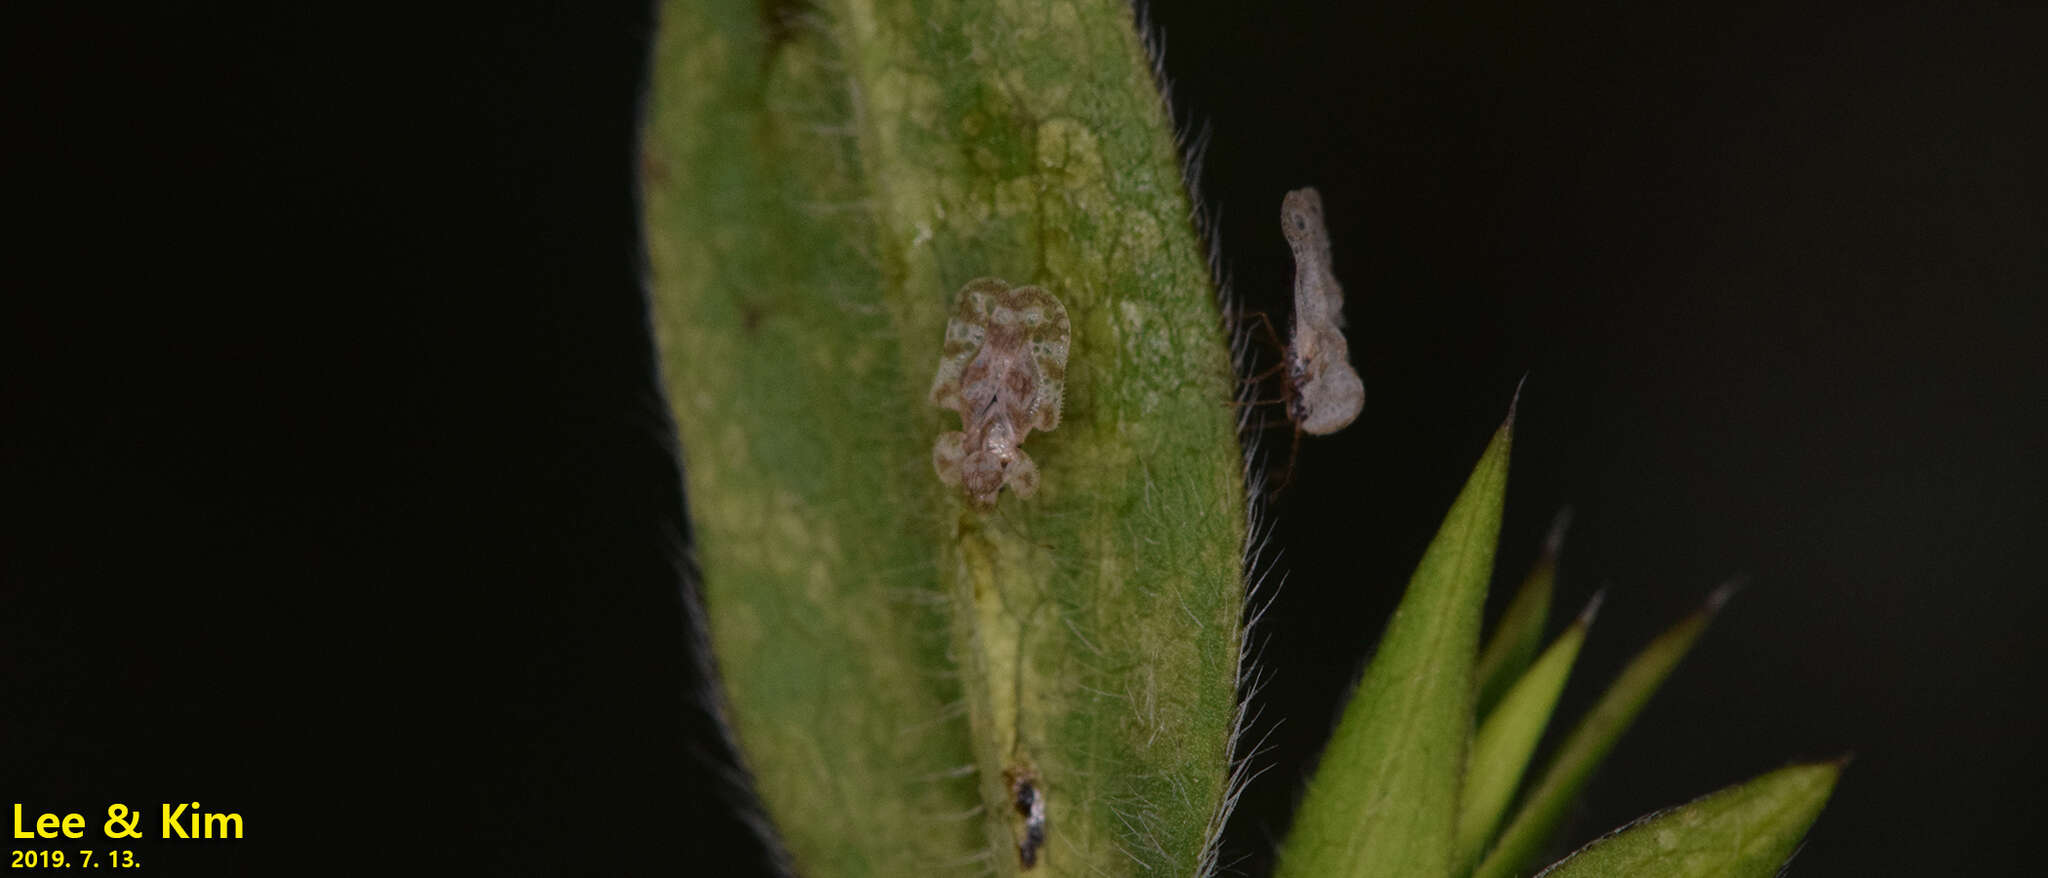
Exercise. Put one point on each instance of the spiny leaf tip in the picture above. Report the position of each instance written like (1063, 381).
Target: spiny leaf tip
(1724, 592)
(1553, 542)
(1515, 402)
(1592, 609)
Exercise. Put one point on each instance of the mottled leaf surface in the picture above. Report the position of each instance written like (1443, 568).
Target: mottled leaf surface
(820, 180)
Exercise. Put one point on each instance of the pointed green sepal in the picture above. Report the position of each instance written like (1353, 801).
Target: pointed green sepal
(1745, 830)
(1384, 800)
(1541, 810)
(1507, 738)
(1519, 633)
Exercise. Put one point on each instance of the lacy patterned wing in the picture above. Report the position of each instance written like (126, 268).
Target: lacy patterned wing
(1049, 337)
(965, 331)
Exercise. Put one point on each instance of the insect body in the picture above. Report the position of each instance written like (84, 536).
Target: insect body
(1324, 392)
(1029, 800)
(1003, 368)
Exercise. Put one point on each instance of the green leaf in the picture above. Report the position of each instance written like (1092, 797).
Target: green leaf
(1519, 633)
(1588, 744)
(820, 179)
(1383, 801)
(1746, 830)
(1508, 736)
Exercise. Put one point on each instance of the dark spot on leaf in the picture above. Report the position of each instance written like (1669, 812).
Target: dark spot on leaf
(781, 18)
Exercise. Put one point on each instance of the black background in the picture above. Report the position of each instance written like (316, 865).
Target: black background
(343, 496)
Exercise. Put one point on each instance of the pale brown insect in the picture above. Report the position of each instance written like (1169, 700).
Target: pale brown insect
(1324, 392)
(1004, 369)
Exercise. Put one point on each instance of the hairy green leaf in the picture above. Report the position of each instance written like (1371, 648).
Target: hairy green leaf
(821, 178)
(1742, 831)
(1519, 633)
(1383, 801)
(1507, 738)
(1582, 751)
